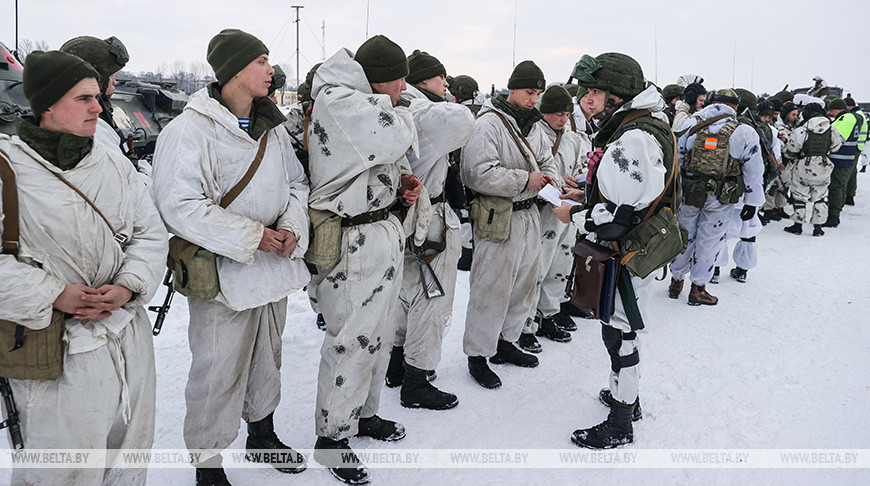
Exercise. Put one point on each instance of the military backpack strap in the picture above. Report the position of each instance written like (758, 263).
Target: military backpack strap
(573, 123)
(240, 186)
(530, 156)
(10, 206)
(700, 125)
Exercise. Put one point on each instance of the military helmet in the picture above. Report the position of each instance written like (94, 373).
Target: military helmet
(107, 56)
(463, 87)
(614, 72)
(747, 99)
(672, 91)
(784, 96)
(279, 79)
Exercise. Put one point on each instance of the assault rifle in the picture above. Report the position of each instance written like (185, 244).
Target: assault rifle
(162, 310)
(766, 154)
(12, 421)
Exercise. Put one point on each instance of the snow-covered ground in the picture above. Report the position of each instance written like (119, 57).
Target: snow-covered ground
(780, 364)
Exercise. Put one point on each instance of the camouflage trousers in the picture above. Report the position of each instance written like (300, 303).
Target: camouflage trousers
(357, 298)
(556, 260)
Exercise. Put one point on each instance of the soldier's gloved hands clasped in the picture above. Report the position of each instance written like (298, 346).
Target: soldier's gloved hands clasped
(747, 212)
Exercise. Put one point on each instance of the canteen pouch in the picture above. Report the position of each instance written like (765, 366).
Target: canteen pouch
(28, 354)
(653, 243)
(325, 247)
(194, 269)
(492, 217)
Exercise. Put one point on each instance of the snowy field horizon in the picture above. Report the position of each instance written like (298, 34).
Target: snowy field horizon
(779, 366)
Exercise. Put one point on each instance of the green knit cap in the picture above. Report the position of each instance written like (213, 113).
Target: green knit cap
(463, 87)
(849, 101)
(279, 79)
(747, 99)
(784, 96)
(48, 76)
(572, 89)
(527, 75)
(837, 104)
(106, 56)
(672, 91)
(614, 72)
(556, 99)
(382, 60)
(422, 66)
(231, 51)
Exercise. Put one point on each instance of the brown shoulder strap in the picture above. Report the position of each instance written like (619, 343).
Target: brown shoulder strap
(10, 206)
(558, 141)
(307, 118)
(120, 238)
(238, 188)
(517, 137)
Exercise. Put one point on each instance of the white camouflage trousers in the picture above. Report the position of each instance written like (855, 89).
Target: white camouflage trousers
(624, 345)
(746, 249)
(85, 408)
(421, 322)
(503, 281)
(556, 260)
(810, 200)
(707, 227)
(235, 370)
(358, 299)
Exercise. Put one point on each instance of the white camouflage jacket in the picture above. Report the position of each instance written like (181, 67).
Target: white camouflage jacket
(64, 241)
(200, 156)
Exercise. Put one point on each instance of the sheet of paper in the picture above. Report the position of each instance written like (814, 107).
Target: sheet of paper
(551, 195)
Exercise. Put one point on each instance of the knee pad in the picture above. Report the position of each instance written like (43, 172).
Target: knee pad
(613, 339)
(748, 240)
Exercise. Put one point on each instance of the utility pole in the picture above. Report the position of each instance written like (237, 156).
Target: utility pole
(514, 54)
(297, 7)
(323, 43)
(16, 29)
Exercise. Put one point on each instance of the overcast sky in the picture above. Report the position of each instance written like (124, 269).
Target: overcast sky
(776, 42)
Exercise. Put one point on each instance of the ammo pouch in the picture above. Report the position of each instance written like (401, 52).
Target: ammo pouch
(324, 249)
(595, 275)
(653, 243)
(28, 354)
(696, 189)
(194, 269)
(492, 217)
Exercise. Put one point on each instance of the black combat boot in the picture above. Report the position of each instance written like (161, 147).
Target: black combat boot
(564, 321)
(850, 200)
(396, 369)
(481, 373)
(380, 429)
(464, 263)
(698, 295)
(211, 472)
(738, 274)
(572, 310)
(776, 214)
(417, 392)
(547, 328)
(321, 322)
(831, 222)
(529, 343)
(818, 231)
(675, 288)
(794, 229)
(605, 397)
(508, 353)
(715, 278)
(339, 458)
(263, 445)
(613, 432)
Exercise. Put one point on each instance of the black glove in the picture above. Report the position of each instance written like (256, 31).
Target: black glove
(690, 95)
(747, 212)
